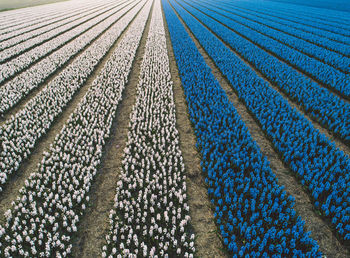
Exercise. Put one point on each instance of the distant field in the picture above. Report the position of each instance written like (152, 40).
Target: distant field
(14, 4)
(339, 5)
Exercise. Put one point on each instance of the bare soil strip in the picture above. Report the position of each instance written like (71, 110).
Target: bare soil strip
(95, 224)
(10, 191)
(282, 60)
(263, 33)
(321, 231)
(67, 16)
(208, 241)
(32, 94)
(59, 34)
(305, 25)
(52, 51)
(334, 138)
(282, 31)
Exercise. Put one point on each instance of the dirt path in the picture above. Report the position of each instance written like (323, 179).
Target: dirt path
(32, 94)
(231, 10)
(338, 142)
(208, 241)
(95, 224)
(284, 61)
(334, 138)
(21, 52)
(10, 191)
(321, 231)
(60, 22)
(117, 9)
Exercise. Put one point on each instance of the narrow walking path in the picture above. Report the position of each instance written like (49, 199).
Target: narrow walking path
(208, 240)
(10, 191)
(321, 231)
(95, 223)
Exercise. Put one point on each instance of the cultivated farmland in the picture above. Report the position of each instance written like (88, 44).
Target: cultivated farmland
(174, 128)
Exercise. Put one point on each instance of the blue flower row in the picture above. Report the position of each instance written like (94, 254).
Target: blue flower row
(254, 214)
(316, 162)
(316, 14)
(299, 21)
(332, 58)
(328, 109)
(45, 215)
(289, 27)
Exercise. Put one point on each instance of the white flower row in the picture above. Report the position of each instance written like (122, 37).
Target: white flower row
(18, 21)
(67, 16)
(58, 16)
(32, 17)
(19, 135)
(46, 215)
(150, 217)
(22, 15)
(55, 40)
(21, 85)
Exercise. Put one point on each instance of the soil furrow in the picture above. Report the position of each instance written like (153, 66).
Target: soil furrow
(59, 34)
(95, 224)
(282, 60)
(13, 110)
(214, 9)
(208, 241)
(331, 136)
(321, 231)
(10, 190)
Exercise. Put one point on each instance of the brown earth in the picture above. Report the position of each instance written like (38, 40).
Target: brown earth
(321, 231)
(95, 224)
(208, 240)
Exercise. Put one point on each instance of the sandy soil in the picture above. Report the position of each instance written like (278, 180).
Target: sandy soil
(208, 240)
(320, 228)
(17, 181)
(95, 224)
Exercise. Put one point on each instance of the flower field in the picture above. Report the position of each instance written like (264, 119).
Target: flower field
(174, 128)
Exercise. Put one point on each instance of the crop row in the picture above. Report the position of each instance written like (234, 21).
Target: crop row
(60, 15)
(334, 59)
(46, 43)
(21, 132)
(41, 49)
(16, 89)
(318, 70)
(309, 17)
(316, 162)
(32, 18)
(287, 27)
(18, 64)
(11, 39)
(326, 31)
(254, 214)
(328, 109)
(317, 14)
(45, 216)
(318, 22)
(40, 14)
(151, 216)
